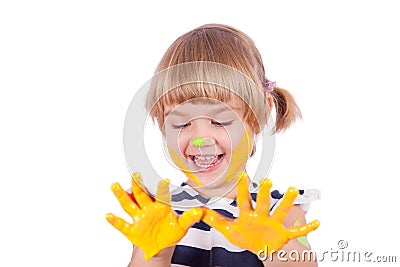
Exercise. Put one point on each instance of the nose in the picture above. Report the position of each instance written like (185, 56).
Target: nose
(202, 135)
(204, 146)
(202, 142)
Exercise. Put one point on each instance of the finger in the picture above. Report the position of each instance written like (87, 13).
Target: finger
(119, 223)
(243, 196)
(139, 191)
(263, 197)
(216, 220)
(285, 205)
(124, 199)
(133, 198)
(163, 194)
(190, 217)
(297, 231)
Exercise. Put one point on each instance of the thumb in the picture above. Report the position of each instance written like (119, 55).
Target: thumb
(216, 220)
(190, 217)
(297, 231)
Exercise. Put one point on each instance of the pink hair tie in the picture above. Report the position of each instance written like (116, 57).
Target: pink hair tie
(269, 86)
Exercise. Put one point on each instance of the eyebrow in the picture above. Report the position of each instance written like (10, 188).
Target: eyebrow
(214, 112)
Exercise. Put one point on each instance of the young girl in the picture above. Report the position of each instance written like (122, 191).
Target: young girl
(211, 98)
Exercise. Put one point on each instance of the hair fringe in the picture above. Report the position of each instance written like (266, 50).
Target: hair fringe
(226, 46)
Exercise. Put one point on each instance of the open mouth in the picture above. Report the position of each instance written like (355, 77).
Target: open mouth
(206, 161)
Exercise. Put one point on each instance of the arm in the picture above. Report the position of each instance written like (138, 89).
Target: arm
(295, 217)
(162, 259)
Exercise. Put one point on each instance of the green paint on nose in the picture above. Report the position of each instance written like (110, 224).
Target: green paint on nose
(198, 141)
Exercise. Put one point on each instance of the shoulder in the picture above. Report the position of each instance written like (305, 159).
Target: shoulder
(300, 206)
(302, 201)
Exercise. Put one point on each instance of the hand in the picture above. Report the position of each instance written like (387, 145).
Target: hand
(155, 225)
(254, 229)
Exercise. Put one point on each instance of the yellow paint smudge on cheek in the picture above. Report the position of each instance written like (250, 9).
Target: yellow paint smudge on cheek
(183, 167)
(240, 156)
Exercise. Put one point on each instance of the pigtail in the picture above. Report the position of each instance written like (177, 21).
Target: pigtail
(286, 108)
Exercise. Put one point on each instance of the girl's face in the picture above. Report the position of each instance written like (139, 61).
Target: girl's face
(210, 143)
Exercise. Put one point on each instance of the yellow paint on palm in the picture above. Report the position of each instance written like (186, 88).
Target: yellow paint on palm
(183, 167)
(155, 225)
(255, 230)
(240, 155)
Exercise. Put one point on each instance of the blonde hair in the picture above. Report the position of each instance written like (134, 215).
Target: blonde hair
(218, 62)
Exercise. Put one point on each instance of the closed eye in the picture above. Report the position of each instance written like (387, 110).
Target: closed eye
(221, 124)
(181, 126)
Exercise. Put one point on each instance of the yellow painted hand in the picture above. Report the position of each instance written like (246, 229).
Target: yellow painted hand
(255, 229)
(155, 224)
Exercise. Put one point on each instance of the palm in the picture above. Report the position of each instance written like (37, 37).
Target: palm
(255, 229)
(155, 225)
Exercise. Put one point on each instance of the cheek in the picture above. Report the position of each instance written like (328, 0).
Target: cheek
(171, 140)
(177, 141)
(240, 138)
(239, 157)
(182, 144)
(227, 141)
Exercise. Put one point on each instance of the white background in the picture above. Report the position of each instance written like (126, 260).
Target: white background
(69, 69)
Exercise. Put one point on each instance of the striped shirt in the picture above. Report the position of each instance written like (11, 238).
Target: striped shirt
(204, 246)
